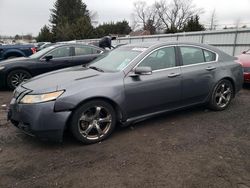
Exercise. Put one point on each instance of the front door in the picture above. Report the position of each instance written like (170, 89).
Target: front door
(156, 92)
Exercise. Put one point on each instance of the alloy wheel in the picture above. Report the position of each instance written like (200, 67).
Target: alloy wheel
(95, 122)
(223, 95)
(18, 78)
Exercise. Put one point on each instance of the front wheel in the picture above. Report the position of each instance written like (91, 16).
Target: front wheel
(93, 121)
(16, 77)
(221, 96)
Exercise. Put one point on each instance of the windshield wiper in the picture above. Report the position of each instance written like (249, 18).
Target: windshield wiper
(96, 68)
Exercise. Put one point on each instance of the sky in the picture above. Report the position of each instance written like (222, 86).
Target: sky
(28, 16)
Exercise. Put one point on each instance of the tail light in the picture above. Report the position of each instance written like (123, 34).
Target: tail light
(33, 50)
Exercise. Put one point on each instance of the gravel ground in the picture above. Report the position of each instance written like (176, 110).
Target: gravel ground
(192, 148)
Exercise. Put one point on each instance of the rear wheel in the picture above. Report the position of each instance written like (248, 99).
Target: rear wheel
(16, 77)
(222, 95)
(93, 121)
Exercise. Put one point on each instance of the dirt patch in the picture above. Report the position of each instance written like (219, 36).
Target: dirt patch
(190, 148)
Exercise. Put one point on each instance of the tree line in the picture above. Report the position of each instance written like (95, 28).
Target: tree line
(71, 20)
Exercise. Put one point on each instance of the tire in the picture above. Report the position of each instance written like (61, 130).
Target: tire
(16, 77)
(221, 96)
(93, 122)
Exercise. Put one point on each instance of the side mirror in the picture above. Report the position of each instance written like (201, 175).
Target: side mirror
(48, 57)
(142, 71)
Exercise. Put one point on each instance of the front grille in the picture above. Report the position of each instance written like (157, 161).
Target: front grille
(246, 69)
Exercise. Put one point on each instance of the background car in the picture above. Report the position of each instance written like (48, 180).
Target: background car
(16, 50)
(45, 45)
(15, 71)
(244, 60)
(130, 83)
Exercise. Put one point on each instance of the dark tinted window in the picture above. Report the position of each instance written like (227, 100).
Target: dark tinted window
(60, 52)
(96, 51)
(85, 50)
(191, 55)
(209, 56)
(160, 59)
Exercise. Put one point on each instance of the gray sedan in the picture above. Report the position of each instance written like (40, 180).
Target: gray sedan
(130, 83)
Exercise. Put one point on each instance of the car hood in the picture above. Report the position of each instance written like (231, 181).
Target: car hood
(15, 60)
(65, 78)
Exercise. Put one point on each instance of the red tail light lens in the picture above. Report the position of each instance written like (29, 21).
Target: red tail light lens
(33, 50)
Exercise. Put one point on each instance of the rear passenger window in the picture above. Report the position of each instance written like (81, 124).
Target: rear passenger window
(86, 50)
(192, 55)
(83, 51)
(96, 51)
(209, 56)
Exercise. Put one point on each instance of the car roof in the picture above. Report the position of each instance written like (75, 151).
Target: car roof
(153, 45)
(158, 44)
(74, 44)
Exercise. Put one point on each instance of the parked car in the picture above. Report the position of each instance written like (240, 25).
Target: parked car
(244, 60)
(130, 83)
(15, 71)
(45, 45)
(13, 51)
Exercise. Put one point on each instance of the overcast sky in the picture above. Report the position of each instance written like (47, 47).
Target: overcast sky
(28, 16)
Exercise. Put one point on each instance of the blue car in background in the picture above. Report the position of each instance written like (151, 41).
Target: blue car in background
(12, 51)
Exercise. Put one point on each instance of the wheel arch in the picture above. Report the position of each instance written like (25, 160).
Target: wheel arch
(15, 69)
(232, 82)
(13, 52)
(115, 105)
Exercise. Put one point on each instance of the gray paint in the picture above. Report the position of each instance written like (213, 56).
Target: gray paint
(134, 98)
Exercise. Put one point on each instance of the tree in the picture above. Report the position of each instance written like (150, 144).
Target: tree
(118, 28)
(170, 16)
(70, 20)
(193, 24)
(146, 16)
(44, 34)
(213, 20)
(175, 15)
(150, 27)
(17, 37)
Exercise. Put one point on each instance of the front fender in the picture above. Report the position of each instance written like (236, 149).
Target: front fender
(70, 101)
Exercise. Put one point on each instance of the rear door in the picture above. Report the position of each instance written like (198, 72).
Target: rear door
(199, 67)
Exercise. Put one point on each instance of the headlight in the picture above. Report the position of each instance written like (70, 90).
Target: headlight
(31, 99)
(2, 67)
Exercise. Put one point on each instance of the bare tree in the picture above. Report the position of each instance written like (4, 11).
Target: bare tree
(174, 15)
(146, 16)
(237, 23)
(213, 20)
(94, 17)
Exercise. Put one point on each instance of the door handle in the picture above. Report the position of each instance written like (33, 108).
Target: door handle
(172, 75)
(210, 68)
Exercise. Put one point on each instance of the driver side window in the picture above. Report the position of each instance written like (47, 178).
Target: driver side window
(160, 59)
(60, 52)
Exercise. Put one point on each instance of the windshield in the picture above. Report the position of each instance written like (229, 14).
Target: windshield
(117, 59)
(41, 52)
